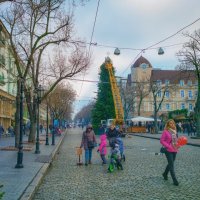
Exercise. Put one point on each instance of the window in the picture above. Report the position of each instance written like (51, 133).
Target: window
(166, 82)
(167, 94)
(190, 107)
(167, 106)
(182, 94)
(196, 93)
(190, 94)
(182, 106)
(189, 83)
(181, 82)
(159, 94)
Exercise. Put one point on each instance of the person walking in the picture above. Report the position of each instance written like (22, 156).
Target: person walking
(112, 134)
(169, 141)
(88, 142)
(1, 130)
(103, 148)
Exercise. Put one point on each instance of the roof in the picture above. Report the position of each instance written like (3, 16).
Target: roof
(174, 76)
(141, 60)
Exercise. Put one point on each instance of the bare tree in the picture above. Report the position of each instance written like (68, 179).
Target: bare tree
(36, 26)
(128, 100)
(60, 101)
(141, 91)
(189, 58)
(84, 115)
(158, 92)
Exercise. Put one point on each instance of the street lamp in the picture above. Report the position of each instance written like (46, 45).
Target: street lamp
(20, 146)
(39, 93)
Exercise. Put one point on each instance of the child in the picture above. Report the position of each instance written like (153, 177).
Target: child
(121, 147)
(115, 154)
(102, 148)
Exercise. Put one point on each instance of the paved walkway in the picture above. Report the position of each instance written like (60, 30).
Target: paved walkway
(141, 178)
(20, 183)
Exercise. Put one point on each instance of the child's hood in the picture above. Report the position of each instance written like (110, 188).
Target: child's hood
(103, 137)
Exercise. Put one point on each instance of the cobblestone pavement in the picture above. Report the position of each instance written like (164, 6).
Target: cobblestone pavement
(140, 180)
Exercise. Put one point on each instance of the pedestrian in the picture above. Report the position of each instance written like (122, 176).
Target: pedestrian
(101, 129)
(103, 148)
(11, 131)
(169, 141)
(88, 143)
(112, 134)
(41, 128)
(1, 130)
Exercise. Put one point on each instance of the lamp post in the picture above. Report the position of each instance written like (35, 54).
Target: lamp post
(39, 96)
(20, 146)
(47, 123)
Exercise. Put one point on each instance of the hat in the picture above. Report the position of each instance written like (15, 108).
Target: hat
(89, 126)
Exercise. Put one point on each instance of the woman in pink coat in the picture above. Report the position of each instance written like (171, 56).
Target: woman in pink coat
(102, 148)
(169, 141)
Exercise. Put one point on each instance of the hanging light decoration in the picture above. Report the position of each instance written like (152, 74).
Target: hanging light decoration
(117, 51)
(160, 51)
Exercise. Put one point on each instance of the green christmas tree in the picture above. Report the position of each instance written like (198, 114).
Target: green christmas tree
(104, 107)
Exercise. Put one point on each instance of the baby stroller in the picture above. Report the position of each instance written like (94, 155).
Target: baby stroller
(121, 148)
(115, 160)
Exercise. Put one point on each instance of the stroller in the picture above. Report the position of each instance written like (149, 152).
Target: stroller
(121, 148)
(115, 158)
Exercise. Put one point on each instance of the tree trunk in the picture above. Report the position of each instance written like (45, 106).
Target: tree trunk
(155, 116)
(155, 122)
(17, 116)
(33, 124)
(139, 106)
(197, 117)
(31, 137)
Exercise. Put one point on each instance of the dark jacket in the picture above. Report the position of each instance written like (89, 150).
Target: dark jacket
(112, 135)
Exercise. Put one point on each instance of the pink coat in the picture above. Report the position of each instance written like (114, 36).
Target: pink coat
(102, 147)
(166, 141)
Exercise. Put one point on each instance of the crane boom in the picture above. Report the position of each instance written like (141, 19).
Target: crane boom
(119, 111)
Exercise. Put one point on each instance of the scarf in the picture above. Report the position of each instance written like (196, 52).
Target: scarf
(174, 136)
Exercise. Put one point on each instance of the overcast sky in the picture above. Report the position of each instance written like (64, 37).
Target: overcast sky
(135, 24)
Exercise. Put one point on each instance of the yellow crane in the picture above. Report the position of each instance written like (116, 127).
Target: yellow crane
(119, 111)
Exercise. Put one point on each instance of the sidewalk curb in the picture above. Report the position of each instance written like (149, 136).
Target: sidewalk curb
(189, 143)
(30, 190)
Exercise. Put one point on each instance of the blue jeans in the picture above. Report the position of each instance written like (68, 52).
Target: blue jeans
(88, 155)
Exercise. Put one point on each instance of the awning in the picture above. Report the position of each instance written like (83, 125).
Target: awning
(143, 119)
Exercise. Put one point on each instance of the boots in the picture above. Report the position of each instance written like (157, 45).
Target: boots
(165, 176)
(176, 183)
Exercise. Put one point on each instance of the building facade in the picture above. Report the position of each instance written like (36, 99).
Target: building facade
(175, 89)
(8, 85)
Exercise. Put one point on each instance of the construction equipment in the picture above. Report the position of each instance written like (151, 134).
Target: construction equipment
(119, 111)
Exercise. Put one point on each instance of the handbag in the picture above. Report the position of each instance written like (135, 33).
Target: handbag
(163, 150)
(91, 144)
